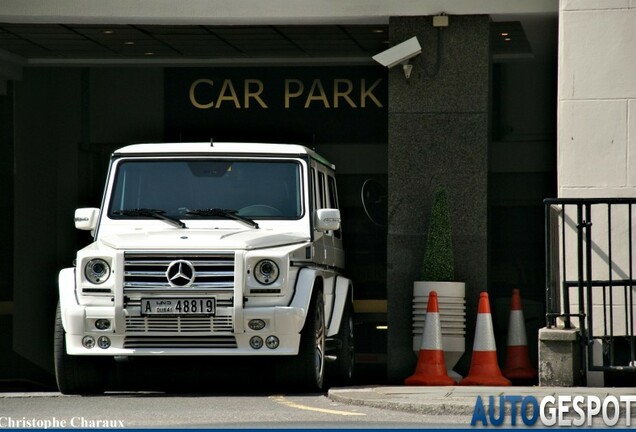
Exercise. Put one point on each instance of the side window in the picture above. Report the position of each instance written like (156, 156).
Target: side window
(314, 192)
(321, 192)
(333, 199)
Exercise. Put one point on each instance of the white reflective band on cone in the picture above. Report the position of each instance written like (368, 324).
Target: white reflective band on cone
(432, 333)
(484, 334)
(517, 329)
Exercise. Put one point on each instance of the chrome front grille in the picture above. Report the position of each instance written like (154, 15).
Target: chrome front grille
(141, 324)
(146, 276)
(148, 272)
(180, 342)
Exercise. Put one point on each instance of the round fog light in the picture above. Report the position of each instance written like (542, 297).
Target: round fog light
(272, 342)
(88, 342)
(256, 342)
(102, 324)
(256, 324)
(103, 342)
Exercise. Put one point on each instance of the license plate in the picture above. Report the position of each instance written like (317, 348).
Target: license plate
(179, 306)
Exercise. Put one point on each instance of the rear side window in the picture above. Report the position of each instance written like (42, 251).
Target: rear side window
(321, 190)
(333, 199)
(313, 187)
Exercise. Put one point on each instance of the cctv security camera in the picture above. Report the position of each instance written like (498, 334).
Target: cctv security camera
(399, 53)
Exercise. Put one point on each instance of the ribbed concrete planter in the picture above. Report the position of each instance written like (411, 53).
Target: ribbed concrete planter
(452, 309)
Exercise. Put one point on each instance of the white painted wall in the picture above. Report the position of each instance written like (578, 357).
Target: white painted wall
(597, 138)
(597, 98)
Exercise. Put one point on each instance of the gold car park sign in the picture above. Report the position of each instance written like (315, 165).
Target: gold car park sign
(324, 104)
(296, 94)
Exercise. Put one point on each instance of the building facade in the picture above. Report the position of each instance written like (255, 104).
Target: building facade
(595, 156)
(477, 116)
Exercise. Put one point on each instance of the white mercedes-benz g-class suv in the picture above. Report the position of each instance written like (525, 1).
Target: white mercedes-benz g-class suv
(201, 249)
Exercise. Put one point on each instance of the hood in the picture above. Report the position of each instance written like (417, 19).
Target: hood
(202, 239)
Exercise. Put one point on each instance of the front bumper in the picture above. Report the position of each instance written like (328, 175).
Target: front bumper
(132, 335)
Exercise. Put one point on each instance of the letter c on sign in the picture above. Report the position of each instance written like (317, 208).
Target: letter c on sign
(193, 88)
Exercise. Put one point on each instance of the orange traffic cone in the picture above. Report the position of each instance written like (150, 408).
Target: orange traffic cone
(430, 369)
(517, 358)
(484, 369)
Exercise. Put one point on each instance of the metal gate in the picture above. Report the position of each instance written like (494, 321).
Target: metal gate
(590, 282)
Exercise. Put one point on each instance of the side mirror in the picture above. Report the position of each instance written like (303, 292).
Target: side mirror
(86, 218)
(327, 219)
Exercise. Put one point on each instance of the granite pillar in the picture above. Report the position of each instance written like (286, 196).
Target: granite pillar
(438, 137)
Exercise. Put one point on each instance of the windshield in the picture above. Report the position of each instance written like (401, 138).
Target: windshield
(190, 189)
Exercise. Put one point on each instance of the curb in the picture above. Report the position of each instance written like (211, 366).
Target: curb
(454, 400)
(402, 402)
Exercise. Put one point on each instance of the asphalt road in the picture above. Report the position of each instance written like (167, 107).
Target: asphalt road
(223, 410)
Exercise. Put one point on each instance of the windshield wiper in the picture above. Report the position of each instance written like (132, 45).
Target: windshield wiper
(225, 213)
(153, 213)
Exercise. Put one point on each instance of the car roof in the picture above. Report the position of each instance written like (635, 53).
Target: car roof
(221, 148)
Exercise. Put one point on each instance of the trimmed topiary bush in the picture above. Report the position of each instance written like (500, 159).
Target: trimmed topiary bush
(439, 264)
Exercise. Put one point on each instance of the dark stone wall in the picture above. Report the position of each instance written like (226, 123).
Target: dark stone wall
(47, 136)
(438, 137)
(62, 118)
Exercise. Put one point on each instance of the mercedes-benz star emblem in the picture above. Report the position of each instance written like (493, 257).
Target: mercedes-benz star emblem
(180, 273)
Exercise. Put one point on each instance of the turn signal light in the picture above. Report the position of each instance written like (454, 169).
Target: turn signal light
(102, 324)
(256, 324)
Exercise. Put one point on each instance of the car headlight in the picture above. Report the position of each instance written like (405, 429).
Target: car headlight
(266, 272)
(97, 271)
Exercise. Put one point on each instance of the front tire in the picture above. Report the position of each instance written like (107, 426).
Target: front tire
(76, 374)
(308, 367)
